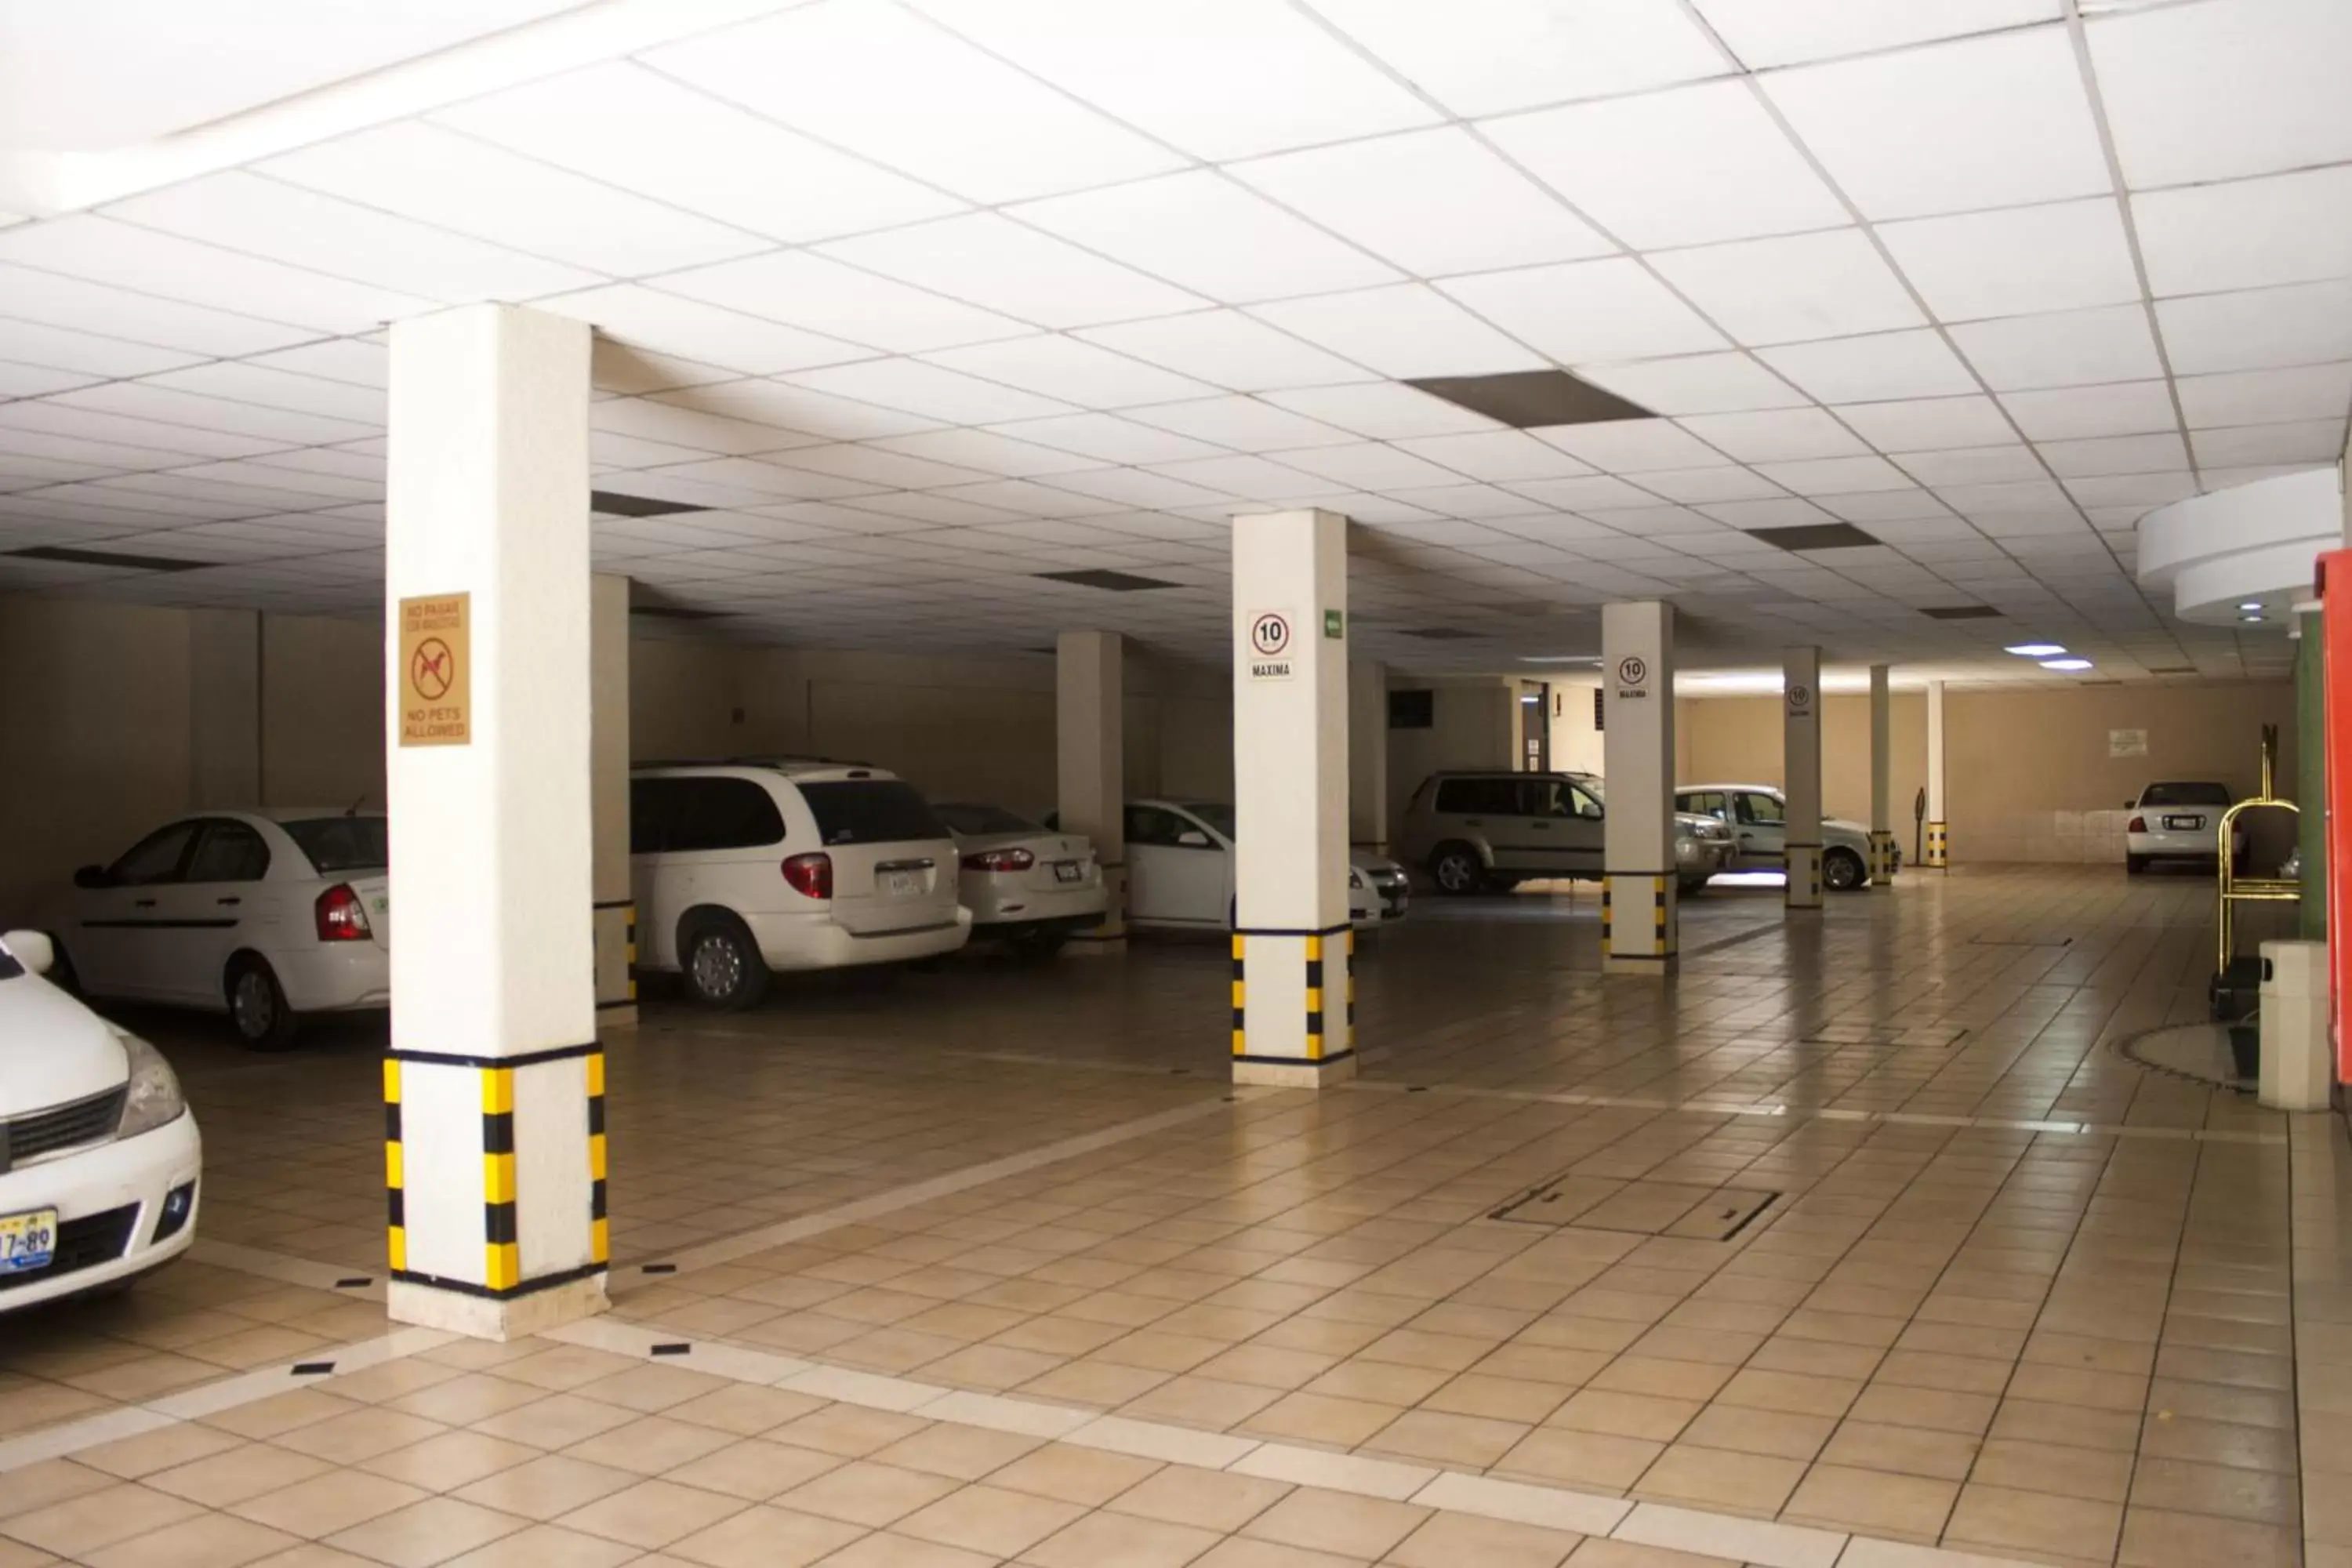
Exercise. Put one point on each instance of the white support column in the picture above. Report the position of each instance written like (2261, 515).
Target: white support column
(1368, 755)
(1882, 778)
(1090, 777)
(1939, 855)
(1802, 764)
(495, 1152)
(608, 734)
(1294, 950)
(1639, 917)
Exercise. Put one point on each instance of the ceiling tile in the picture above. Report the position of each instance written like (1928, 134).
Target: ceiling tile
(1788, 290)
(1250, 477)
(986, 450)
(666, 323)
(1786, 32)
(1226, 349)
(1700, 383)
(1432, 202)
(1873, 369)
(1579, 312)
(1075, 372)
(993, 262)
(1371, 466)
(1780, 436)
(867, 76)
(1726, 482)
(2134, 490)
(55, 299)
(2262, 329)
(1836, 476)
(2249, 234)
(810, 291)
(86, 353)
(2266, 396)
(2067, 348)
(1633, 446)
(436, 176)
(285, 426)
(1707, 163)
(1575, 494)
(928, 390)
(2016, 262)
(2127, 408)
(1926, 424)
(1107, 438)
(2308, 441)
(634, 128)
(272, 389)
(800, 408)
(1243, 423)
(1203, 232)
(1514, 54)
(2116, 455)
(1497, 456)
(1992, 122)
(1408, 330)
(2212, 93)
(1279, 80)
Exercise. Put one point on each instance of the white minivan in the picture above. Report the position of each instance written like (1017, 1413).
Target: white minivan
(742, 869)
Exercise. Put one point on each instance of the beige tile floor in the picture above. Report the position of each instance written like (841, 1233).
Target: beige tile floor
(2068, 1342)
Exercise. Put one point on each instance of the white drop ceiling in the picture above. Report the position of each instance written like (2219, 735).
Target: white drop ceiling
(921, 299)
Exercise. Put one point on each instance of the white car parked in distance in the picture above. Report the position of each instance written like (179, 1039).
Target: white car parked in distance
(1180, 869)
(1026, 884)
(744, 868)
(100, 1157)
(265, 915)
(2177, 820)
(1758, 815)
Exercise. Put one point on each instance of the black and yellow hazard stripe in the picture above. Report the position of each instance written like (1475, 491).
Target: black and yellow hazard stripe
(1938, 854)
(501, 1242)
(1635, 938)
(1241, 997)
(631, 957)
(395, 1173)
(1351, 988)
(599, 1231)
(1315, 998)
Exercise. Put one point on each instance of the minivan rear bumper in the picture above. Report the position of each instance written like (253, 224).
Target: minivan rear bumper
(813, 940)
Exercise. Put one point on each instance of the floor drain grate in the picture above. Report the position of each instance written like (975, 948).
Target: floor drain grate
(1687, 1211)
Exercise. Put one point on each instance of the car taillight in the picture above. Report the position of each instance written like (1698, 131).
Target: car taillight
(810, 876)
(2138, 825)
(999, 860)
(342, 915)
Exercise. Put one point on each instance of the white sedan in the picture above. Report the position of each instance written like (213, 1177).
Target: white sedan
(1180, 869)
(2179, 820)
(1024, 884)
(98, 1153)
(264, 915)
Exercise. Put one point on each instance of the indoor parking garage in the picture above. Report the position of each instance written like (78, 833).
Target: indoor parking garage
(1264, 784)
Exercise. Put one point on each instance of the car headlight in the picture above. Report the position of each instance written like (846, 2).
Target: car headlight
(154, 1100)
(1355, 879)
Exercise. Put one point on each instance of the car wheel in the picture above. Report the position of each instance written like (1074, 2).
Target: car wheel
(1039, 945)
(1456, 871)
(1498, 883)
(1691, 886)
(1843, 871)
(724, 970)
(2134, 865)
(256, 1007)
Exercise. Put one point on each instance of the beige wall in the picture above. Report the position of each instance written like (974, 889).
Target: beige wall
(1475, 723)
(1737, 740)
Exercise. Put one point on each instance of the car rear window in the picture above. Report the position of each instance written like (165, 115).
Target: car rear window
(871, 811)
(334, 845)
(685, 816)
(968, 818)
(2186, 795)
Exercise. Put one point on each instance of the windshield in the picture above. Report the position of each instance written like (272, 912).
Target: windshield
(1590, 785)
(9, 968)
(1216, 815)
(967, 818)
(872, 811)
(334, 845)
(2186, 795)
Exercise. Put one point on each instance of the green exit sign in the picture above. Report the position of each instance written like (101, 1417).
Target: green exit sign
(1335, 622)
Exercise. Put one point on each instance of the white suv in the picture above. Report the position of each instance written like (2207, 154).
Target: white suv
(740, 869)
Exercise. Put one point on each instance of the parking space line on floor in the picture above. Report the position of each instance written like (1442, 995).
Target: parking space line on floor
(1774, 1109)
(278, 1266)
(727, 1250)
(211, 1398)
(1726, 1538)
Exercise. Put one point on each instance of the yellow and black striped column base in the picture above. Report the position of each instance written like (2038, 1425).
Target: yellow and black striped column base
(1938, 857)
(616, 964)
(495, 1172)
(1882, 858)
(1292, 1028)
(1640, 922)
(1804, 862)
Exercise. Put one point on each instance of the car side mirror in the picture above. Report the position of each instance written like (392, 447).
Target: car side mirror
(31, 949)
(1193, 838)
(90, 877)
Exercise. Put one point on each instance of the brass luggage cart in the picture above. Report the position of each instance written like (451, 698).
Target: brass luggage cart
(2237, 977)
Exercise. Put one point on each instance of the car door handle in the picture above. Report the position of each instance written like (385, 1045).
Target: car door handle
(228, 900)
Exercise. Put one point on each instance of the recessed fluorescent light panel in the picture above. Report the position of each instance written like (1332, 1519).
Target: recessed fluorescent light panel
(2065, 663)
(67, 555)
(1113, 581)
(613, 503)
(1814, 536)
(1961, 613)
(2036, 650)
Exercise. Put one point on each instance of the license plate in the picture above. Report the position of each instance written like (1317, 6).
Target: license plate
(27, 1241)
(2183, 824)
(902, 884)
(1069, 871)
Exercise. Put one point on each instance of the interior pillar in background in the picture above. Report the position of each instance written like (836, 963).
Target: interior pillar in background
(494, 1085)
(1294, 949)
(1939, 855)
(1090, 768)
(1368, 755)
(225, 711)
(1882, 778)
(1639, 921)
(608, 739)
(2311, 771)
(1800, 684)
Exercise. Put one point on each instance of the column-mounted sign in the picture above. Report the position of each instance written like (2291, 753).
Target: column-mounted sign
(1633, 679)
(1268, 654)
(1801, 700)
(436, 706)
